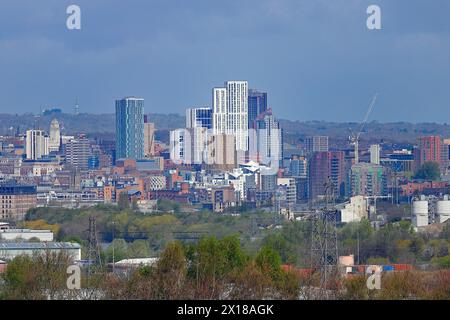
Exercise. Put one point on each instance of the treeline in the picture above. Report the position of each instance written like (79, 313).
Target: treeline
(395, 242)
(137, 235)
(157, 230)
(212, 269)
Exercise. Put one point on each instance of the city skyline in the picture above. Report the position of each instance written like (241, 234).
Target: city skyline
(316, 59)
(231, 151)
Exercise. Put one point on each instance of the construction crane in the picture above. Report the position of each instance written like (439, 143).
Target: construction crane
(354, 137)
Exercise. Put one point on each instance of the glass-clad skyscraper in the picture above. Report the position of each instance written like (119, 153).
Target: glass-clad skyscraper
(257, 104)
(130, 128)
(199, 117)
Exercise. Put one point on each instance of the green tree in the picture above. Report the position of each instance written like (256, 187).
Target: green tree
(120, 249)
(445, 234)
(417, 245)
(442, 250)
(170, 272)
(235, 258)
(378, 260)
(428, 171)
(34, 277)
(211, 260)
(165, 205)
(139, 249)
(278, 243)
(269, 261)
(442, 262)
(134, 205)
(123, 202)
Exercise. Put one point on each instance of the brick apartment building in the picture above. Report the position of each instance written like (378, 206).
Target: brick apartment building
(15, 200)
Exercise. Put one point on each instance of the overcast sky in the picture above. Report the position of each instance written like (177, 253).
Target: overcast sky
(316, 58)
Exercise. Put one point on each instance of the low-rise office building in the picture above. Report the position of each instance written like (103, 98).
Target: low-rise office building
(10, 250)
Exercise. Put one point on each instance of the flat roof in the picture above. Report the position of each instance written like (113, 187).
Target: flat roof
(24, 231)
(38, 245)
(144, 261)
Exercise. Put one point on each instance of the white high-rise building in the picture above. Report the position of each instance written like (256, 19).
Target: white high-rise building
(55, 136)
(199, 142)
(199, 122)
(37, 144)
(189, 146)
(230, 112)
(219, 110)
(269, 140)
(375, 154)
(180, 146)
(199, 117)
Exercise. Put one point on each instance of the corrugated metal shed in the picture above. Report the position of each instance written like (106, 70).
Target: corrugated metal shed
(38, 245)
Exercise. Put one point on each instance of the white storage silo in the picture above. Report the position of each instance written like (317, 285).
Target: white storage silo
(420, 212)
(443, 209)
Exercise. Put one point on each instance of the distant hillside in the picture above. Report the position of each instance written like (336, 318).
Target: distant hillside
(86, 123)
(294, 131)
(398, 132)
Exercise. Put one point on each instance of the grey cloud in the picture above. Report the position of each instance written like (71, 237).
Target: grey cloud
(315, 57)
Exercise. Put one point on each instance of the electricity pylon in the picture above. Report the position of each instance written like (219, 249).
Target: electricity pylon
(93, 254)
(324, 246)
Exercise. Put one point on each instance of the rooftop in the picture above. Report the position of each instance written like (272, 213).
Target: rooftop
(38, 245)
(132, 98)
(137, 261)
(24, 231)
